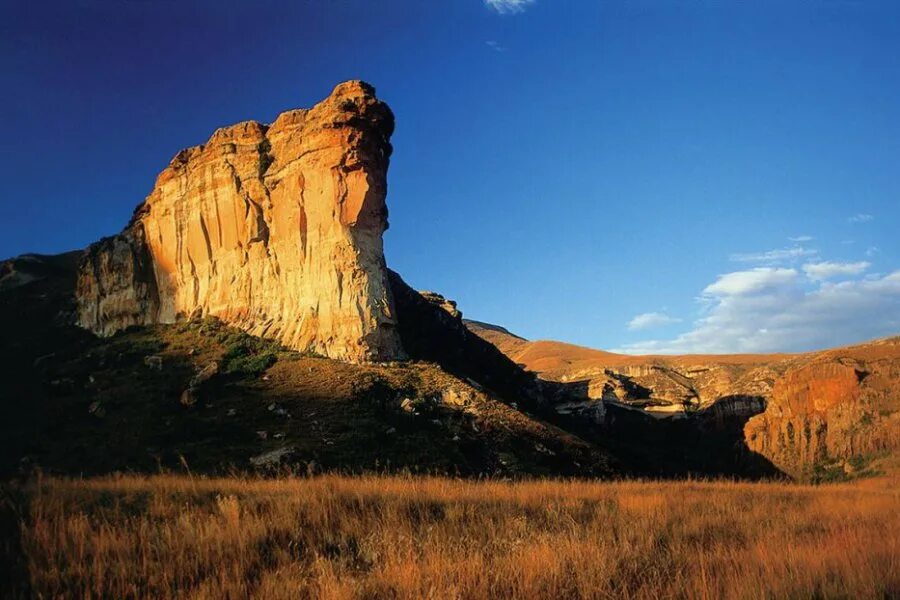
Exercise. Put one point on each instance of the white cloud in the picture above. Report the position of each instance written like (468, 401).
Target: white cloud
(776, 310)
(494, 45)
(772, 257)
(650, 320)
(750, 282)
(821, 271)
(506, 7)
(860, 218)
(801, 238)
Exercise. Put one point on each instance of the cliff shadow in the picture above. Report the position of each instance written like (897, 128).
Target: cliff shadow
(14, 581)
(705, 443)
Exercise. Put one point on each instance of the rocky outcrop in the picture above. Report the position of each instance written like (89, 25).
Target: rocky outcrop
(830, 409)
(276, 229)
(801, 414)
(795, 429)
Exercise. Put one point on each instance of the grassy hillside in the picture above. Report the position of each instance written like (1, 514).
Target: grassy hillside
(373, 537)
(119, 404)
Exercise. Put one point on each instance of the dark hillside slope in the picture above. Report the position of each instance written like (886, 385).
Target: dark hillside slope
(149, 397)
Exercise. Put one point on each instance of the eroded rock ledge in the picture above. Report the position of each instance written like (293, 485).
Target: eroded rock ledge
(276, 229)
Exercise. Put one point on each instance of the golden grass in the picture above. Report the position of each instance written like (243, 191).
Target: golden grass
(394, 537)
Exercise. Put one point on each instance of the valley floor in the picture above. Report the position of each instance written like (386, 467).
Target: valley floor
(330, 536)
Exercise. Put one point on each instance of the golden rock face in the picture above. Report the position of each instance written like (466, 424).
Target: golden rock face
(274, 229)
(825, 409)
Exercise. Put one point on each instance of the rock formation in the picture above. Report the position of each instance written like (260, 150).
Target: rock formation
(839, 405)
(276, 229)
(802, 412)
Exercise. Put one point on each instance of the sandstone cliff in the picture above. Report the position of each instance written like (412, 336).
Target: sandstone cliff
(839, 405)
(276, 229)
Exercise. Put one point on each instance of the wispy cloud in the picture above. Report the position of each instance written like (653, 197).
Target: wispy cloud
(821, 271)
(860, 218)
(507, 7)
(801, 238)
(773, 257)
(651, 320)
(496, 46)
(872, 251)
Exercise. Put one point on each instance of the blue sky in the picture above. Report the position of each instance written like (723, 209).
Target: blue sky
(644, 176)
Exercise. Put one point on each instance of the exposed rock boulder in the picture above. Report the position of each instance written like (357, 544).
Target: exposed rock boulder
(205, 374)
(154, 362)
(202, 377)
(276, 229)
(274, 458)
(188, 397)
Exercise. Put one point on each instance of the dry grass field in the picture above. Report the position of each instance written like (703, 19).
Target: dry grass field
(172, 536)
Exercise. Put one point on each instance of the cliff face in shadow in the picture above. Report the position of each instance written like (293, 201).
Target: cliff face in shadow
(705, 442)
(431, 328)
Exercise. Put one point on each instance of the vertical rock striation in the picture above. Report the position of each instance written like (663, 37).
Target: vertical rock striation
(805, 402)
(840, 405)
(274, 229)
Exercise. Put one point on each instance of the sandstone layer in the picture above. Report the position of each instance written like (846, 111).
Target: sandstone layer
(276, 229)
